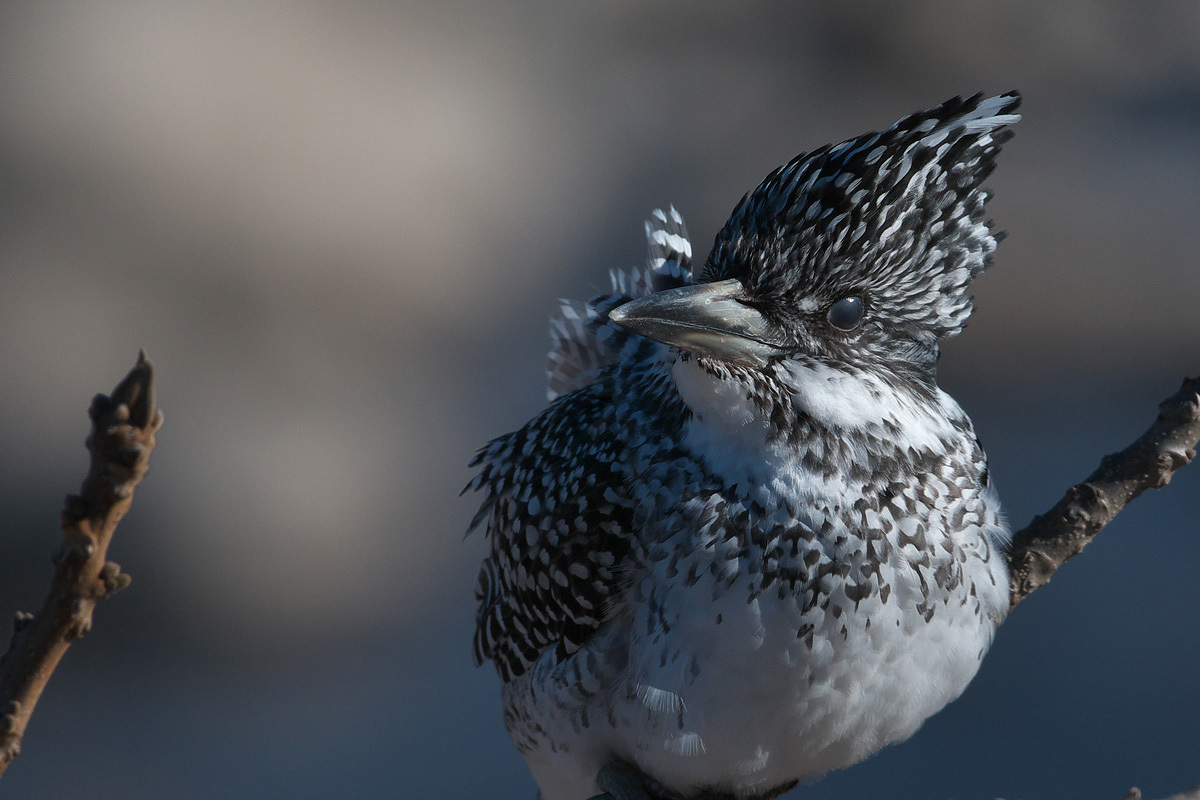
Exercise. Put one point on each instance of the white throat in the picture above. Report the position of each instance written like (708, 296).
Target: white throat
(862, 400)
(727, 420)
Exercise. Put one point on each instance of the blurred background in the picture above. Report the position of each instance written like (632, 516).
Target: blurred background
(338, 230)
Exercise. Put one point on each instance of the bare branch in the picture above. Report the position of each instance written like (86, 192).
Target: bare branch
(122, 437)
(1052, 539)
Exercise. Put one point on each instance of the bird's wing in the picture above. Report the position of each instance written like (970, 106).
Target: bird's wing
(559, 520)
(582, 341)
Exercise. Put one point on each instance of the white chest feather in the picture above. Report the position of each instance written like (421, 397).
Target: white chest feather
(731, 677)
(732, 432)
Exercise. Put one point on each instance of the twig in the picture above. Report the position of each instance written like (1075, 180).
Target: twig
(1052, 539)
(122, 437)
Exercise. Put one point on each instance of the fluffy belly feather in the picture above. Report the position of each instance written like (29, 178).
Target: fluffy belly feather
(743, 695)
(762, 692)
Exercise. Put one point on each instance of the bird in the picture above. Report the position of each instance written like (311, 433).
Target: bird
(750, 540)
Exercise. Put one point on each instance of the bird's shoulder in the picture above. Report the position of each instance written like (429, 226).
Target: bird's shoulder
(558, 509)
(557, 505)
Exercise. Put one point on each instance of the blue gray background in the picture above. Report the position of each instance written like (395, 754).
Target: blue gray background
(338, 230)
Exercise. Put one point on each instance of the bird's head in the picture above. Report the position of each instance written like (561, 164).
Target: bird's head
(860, 254)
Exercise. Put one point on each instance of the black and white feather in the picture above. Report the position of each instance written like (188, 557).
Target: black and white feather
(745, 545)
(897, 215)
(558, 539)
(582, 342)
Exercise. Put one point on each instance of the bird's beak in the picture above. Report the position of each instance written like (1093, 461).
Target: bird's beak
(709, 319)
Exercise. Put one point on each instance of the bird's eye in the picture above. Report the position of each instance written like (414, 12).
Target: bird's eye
(846, 314)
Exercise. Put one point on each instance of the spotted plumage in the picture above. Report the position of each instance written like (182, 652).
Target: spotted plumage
(750, 540)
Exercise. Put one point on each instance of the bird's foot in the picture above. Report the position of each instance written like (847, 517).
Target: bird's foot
(621, 781)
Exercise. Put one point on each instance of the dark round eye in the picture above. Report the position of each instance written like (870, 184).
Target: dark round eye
(846, 313)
